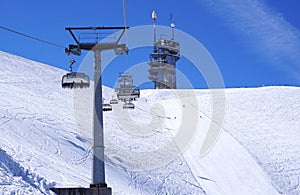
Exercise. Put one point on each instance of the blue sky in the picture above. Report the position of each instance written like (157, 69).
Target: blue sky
(254, 43)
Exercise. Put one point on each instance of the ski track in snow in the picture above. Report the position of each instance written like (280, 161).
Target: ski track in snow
(45, 139)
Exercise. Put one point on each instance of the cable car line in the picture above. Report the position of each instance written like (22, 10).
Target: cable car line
(31, 37)
(124, 15)
(126, 33)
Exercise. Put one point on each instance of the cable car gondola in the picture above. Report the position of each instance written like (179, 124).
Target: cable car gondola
(114, 101)
(75, 79)
(106, 107)
(127, 91)
(128, 105)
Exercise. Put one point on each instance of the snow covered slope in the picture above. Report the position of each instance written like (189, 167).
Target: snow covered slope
(45, 138)
(266, 121)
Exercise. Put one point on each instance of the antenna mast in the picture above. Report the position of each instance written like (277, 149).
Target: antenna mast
(154, 29)
(172, 26)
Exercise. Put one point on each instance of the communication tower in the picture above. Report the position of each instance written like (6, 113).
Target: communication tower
(163, 60)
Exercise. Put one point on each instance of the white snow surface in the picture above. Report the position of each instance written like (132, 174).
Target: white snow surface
(45, 138)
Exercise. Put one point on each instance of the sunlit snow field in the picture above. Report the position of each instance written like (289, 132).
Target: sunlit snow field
(45, 138)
